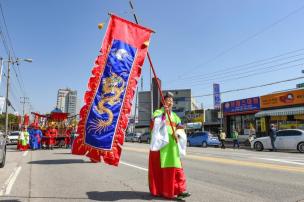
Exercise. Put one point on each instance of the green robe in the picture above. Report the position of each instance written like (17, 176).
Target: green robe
(169, 154)
(25, 140)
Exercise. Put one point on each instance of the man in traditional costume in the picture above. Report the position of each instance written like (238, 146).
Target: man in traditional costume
(166, 175)
(51, 134)
(23, 140)
(35, 137)
(67, 138)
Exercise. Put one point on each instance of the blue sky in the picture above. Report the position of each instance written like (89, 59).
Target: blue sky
(62, 38)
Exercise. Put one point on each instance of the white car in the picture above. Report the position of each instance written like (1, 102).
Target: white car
(292, 139)
(12, 138)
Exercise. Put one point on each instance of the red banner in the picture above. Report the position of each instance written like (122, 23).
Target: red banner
(108, 101)
(26, 120)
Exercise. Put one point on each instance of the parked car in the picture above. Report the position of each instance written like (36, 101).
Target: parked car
(12, 138)
(2, 149)
(136, 137)
(144, 138)
(128, 137)
(132, 137)
(203, 139)
(292, 139)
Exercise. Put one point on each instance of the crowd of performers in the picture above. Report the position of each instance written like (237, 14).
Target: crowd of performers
(33, 138)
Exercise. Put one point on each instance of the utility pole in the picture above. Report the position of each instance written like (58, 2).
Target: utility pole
(8, 85)
(25, 101)
(7, 89)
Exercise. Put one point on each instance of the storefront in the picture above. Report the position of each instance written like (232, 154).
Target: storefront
(285, 110)
(240, 115)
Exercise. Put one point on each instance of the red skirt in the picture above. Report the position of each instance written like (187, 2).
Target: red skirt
(22, 147)
(165, 182)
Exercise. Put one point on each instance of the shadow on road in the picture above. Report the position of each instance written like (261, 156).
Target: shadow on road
(122, 195)
(63, 153)
(58, 161)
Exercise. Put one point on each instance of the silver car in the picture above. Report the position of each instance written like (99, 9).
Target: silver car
(2, 149)
(132, 137)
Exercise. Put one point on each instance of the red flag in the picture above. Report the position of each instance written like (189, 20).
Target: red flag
(26, 120)
(104, 117)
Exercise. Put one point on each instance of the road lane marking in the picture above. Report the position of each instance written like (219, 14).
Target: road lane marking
(247, 163)
(8, 185)
(282, 160)
(25, 153)
(134, 166)
(232, 161)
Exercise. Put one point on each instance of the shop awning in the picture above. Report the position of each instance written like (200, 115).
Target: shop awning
(281, 112)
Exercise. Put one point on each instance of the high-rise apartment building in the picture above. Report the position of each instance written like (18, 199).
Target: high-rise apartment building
(67, 101)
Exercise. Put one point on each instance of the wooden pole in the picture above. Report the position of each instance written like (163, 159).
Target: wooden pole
(156, 78)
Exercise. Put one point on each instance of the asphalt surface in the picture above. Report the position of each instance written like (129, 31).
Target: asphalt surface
(213, 174)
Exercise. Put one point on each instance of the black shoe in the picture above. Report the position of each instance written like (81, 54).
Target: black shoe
(184, 195)
(179, 198)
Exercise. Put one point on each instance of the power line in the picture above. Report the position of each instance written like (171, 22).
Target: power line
(8, 36)
(247, 65)
(238, 76)
(224, 52)
(25, 101)
(251, 87)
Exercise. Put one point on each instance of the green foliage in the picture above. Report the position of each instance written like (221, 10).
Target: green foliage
(12, 122)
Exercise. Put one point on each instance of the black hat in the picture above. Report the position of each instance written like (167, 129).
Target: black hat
(169, 94)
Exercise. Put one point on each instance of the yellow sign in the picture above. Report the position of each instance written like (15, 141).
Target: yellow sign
(278, 118)
(282, 99)
(263, 125)
(299, 116)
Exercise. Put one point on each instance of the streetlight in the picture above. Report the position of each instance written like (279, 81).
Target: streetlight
(10, 60)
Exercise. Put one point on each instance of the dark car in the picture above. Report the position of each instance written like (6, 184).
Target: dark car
(2, 149)
(144, 138)
(203, 139)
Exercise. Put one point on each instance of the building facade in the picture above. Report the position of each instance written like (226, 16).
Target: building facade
(183, 102)
(67, 101)
(212, 121)
(284, 109)
(240, 115)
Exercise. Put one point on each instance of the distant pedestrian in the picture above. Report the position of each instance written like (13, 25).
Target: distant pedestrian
(273, 136)
(235, 139)
(222, 138)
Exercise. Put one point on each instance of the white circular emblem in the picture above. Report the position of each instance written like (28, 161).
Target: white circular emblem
(121, 54)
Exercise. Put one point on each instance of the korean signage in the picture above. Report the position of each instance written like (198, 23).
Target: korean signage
(236, 106)
(216, 96)
(283, 99)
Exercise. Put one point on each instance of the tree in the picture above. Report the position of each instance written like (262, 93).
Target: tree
(12, 121)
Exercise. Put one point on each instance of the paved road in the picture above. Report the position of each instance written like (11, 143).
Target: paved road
(212, 174)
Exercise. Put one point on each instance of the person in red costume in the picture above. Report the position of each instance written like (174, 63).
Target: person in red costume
(51, 133)
(67, 138)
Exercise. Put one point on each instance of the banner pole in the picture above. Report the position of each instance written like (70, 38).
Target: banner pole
(156, 78)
